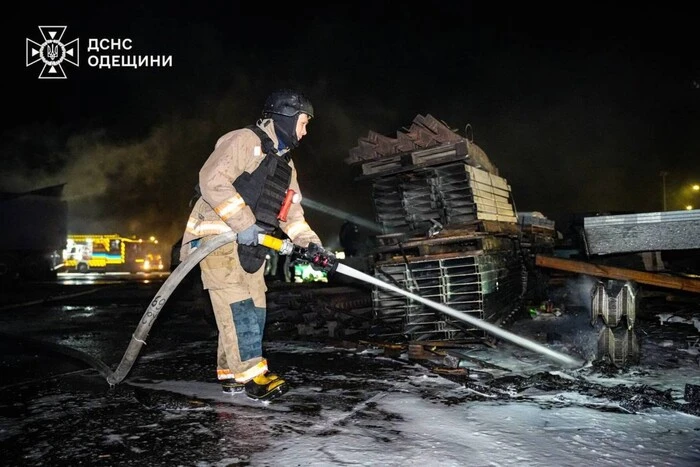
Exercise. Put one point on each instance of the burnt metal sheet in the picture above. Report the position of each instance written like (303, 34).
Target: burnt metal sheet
(652, 231)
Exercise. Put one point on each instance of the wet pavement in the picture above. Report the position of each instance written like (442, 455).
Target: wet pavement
(59, 340)
(58, 409)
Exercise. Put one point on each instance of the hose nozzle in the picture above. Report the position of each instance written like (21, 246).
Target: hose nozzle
(318, 257)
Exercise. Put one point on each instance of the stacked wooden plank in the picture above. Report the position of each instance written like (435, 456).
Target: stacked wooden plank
(451, 194)
(427, 138)
(425, 131)
(491, 193)
(538, 232)
(442, 207)
(430, 175)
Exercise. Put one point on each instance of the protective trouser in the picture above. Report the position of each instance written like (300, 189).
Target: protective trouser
(238, 300)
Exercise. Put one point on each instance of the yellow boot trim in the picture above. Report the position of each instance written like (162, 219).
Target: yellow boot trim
(262, 387)
(271, 381)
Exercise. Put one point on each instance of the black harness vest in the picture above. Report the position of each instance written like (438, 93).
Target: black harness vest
(263, 191)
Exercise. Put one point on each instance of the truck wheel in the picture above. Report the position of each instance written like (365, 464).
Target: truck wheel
(82, 267)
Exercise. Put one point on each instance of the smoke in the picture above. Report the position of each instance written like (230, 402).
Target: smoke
(583, 331)
(131, 187)
(142, 186)
(121, 187)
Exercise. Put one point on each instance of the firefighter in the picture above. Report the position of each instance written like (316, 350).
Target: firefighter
(242, 186)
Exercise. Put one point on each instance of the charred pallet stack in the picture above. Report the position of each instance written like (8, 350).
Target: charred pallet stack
(481, 284)
(440, 178)
(449, 228)
(537, 236)
(448, 193)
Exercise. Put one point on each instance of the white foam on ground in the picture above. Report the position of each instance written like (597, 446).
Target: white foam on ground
(423, 433)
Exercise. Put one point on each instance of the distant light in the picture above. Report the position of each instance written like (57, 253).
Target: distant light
(696, 187)
(689, 207)
(152, 238)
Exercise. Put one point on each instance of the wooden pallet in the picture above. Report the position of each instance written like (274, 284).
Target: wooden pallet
(398, 248)
(413, 160)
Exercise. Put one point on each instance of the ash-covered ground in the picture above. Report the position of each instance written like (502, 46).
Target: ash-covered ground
(354, 401)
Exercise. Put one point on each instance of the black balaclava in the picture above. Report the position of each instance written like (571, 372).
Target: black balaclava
(286, 130)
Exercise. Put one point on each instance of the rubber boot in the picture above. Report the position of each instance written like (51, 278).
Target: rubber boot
(266, 387)
(231, 386)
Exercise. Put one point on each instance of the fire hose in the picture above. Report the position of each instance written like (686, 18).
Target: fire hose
(138, 339)
(319, 258)
(491, 328)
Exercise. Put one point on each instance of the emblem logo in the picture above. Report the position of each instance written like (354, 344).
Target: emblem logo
(53, 52)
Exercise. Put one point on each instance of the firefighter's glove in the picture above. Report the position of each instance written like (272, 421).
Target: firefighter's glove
(320, 259)
(249, 236)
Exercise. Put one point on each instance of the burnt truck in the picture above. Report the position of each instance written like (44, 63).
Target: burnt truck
(625, 253)
(33, 235)
(450, 233)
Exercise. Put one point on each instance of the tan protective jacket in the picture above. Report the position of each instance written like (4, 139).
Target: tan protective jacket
(220, 208)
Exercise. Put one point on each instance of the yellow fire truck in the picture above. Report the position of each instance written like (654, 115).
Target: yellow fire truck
(111, 252)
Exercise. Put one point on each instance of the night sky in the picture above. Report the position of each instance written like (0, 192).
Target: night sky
(580, 109)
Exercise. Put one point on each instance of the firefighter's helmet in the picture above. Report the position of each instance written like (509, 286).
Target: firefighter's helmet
(288, 103)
